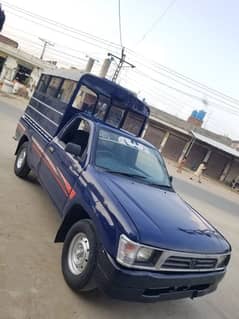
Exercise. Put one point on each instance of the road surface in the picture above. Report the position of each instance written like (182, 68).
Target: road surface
(31, 283)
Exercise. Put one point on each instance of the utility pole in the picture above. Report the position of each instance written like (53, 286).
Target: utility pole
(45, 44)
(122, 61)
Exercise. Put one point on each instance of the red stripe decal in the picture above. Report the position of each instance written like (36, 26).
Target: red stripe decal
(69, 188)
(57, 174)
(72, 194)
(53, 171)
(67, 185)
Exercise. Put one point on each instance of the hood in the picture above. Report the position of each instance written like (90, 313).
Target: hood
(162, 218)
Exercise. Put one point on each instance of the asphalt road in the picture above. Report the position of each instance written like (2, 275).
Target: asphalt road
(31, 283)
(9, 110)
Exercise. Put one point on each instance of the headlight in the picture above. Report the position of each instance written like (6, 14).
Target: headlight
(144, 254)
(131, 254)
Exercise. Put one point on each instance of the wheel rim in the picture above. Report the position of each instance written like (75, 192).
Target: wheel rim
(78, 254)
(21, 158)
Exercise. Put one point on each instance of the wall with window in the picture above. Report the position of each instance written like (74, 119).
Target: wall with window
(196, 156)
(233, 171)
(154, 135)
(216, 164)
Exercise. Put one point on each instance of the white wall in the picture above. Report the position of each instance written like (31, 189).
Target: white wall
(9, 69)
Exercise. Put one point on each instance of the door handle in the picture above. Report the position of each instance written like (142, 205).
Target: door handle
(51, 149)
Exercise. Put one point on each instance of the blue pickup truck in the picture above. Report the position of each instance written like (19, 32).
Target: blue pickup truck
(124, 228)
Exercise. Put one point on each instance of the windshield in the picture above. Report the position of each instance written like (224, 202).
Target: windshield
(119, 154)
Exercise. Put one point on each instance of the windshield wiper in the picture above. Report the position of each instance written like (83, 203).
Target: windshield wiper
(126, 174)
(159, 185)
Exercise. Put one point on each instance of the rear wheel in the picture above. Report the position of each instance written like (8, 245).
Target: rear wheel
(79, 256)
(21, 167)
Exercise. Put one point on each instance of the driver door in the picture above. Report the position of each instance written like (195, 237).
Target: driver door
(59, 170)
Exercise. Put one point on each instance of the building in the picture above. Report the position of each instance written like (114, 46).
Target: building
(176, 138)
(17, 66)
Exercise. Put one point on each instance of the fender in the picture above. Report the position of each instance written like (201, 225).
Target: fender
(21, 135)
(24, 138)
(75, 213)
(106, 224)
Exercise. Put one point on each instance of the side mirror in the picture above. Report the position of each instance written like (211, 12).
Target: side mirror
(171, 179)
(73, 148)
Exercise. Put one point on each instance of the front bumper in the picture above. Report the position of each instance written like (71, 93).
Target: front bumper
(147, 286)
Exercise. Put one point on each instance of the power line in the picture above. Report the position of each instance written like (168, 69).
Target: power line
(106, 42)
(162, 15)
(165, 84)
(168, 86)
(233, 111)
(27, 40)
(59, 52)
(177, 77)
(110, 43)
(53, 54)
(161, 67)
(159, 96)
(60, 25)
(175, 107)
(34, 36)
(213, 96)
(193, 88)
(120, 28)
(60, 31)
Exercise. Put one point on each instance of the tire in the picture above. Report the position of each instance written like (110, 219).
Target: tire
(80, 279)
(21, 167)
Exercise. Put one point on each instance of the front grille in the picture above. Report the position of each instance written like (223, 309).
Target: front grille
(189, 263)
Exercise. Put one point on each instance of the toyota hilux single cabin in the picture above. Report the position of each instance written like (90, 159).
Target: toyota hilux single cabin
(125, 230)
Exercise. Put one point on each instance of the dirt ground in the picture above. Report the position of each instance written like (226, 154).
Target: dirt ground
(31, 283)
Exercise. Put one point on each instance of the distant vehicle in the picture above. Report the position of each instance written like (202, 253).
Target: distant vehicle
(125, 230)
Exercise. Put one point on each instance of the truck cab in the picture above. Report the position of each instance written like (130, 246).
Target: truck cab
(124, 228)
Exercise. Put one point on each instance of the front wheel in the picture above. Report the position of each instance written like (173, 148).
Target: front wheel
(21, 167)
(79, 256)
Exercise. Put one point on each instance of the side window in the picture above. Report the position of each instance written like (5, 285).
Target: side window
(85, 99)
(115, 116)
(43, 83)
(133, 123)
(53, 86)
(101, 107)
(67, 89)
(78, 133)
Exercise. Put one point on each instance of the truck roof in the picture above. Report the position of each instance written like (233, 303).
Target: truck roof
(71, 74)
(76, 75)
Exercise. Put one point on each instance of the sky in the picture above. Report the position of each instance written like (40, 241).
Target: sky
(196, 38)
